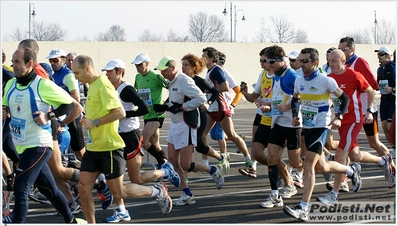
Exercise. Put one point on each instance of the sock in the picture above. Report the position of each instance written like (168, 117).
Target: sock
(213, 169)
(304, 206)
(275, 193)
(300, 174)
(328, 156)
(155, 191)
(247, 158)
(166, 173)
(382, 162)
(254, 165)
(152, 150)
(221, 158)
(350, 171)
(205, 161)
(121, 208)
(101, 177)
(187, 191)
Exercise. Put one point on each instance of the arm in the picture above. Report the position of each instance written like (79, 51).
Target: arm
(113, 115)
(371, 97)
(129, 94)
(345, 100)
(222, 87)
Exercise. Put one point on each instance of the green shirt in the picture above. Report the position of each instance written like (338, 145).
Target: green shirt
(101, 99)
(150, 87)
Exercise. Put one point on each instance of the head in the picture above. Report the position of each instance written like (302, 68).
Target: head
(115, 70)
(141, 63)
(83, 68)
(222, 58)
(69, 59)
(275, 55)
(167, 67)
(29, 43)
(263, 60)
(347, 45)
(210, 54)
(23, 61)
(337, 61)
(192, 65)
(384, 55)
(47, 68)
(293, 59)
(328, 52)
(3, 57)
(57, 59)
(309, 60)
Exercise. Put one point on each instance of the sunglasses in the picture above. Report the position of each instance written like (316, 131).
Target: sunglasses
(345, 48)
(138, 65)
(292, 60)
(53, 60)
(271, 61)
(382, 54)
(263, 61)
(304, 61)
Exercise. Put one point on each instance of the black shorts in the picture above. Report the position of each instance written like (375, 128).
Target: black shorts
(160, 120)
(387, 109)
(133, 141)
(372, 128)
(315, 139)
(76, 135)
(262, 135)
(257, 120)
(280, 134)
(110, 163)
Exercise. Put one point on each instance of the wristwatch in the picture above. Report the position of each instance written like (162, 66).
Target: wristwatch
(52, 115)
(96, 123)
(339, 116)
(370, 110)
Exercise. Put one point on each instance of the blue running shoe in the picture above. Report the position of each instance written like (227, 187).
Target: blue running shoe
(118, 216)
(7, 218)
(174, 177)
(106, 197)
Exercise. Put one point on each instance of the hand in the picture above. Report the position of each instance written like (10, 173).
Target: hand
(175, 108)
(335, 123)
(265, 108)
(388, 89)
(283, 107)
(296, 121)
(41, 118)
(368, 118)
(87, 123)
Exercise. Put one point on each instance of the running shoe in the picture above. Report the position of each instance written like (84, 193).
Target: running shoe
(7, 218)
(329, 199)
(392, 180)
(272, 201)
(297, 180)
(224, 163)
(37, 196)
(185, 200)
(296, 212)
(106, 196)
(387, 168)
(76, 191)
(218, 178)
(174, 178)
(392, 153)
(74, 209)
(118, 216)
(79, 221)
(288, 191)
(163, 199)
(356, 177)
(248, 171)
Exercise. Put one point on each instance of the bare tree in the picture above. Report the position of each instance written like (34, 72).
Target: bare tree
(148, 36)
(385, 32)
(361, 36)
(205, 28)
(283, 31)
(43, 31)
(174, 37)
(114, 34)
(18, 35)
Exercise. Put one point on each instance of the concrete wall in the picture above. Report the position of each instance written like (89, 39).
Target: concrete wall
(242, 58)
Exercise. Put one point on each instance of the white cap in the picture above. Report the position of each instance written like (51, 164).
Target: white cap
(113, 64)
(384, 49)
(294, 54)
(56, 53)
(141, 58)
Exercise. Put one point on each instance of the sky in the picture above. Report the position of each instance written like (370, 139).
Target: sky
(324, 21)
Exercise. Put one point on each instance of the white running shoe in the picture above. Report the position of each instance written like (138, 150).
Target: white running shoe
(163, 199)
(185, 200)
(296, 212)
(272, 201)
(218, 178)
(329, 199)
(288, 191)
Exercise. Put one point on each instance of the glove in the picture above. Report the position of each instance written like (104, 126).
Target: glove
(175, 108)
(54, 128)
(10, 182)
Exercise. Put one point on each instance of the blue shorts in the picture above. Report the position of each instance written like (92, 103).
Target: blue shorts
(217, 133)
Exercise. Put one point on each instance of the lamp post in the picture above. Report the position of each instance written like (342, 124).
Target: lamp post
(243, 19)
(31, 5)
(375, 28)
(225, 12)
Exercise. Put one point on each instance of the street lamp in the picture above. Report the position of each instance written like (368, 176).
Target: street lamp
(225, 13)
(375, 28)
(31, 13)
(243, 19)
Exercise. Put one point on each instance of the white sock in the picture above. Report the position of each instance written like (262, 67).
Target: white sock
(350, 171)
(166, 173)
(300, 174)
(254, 165)
(275, 193)
(304, 206)
(121, 208)
(101, 177)
(155, 192)
(205, 161)
(382, 162)
(248, 158)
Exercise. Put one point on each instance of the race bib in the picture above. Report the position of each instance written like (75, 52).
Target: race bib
(145, 94)
(274, 110)
(18, 126)
(382, 85)
(309, 115)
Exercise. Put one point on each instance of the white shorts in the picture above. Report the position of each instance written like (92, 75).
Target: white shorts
(179, 135)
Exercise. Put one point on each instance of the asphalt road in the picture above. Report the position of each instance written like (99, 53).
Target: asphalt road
(238, 200)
